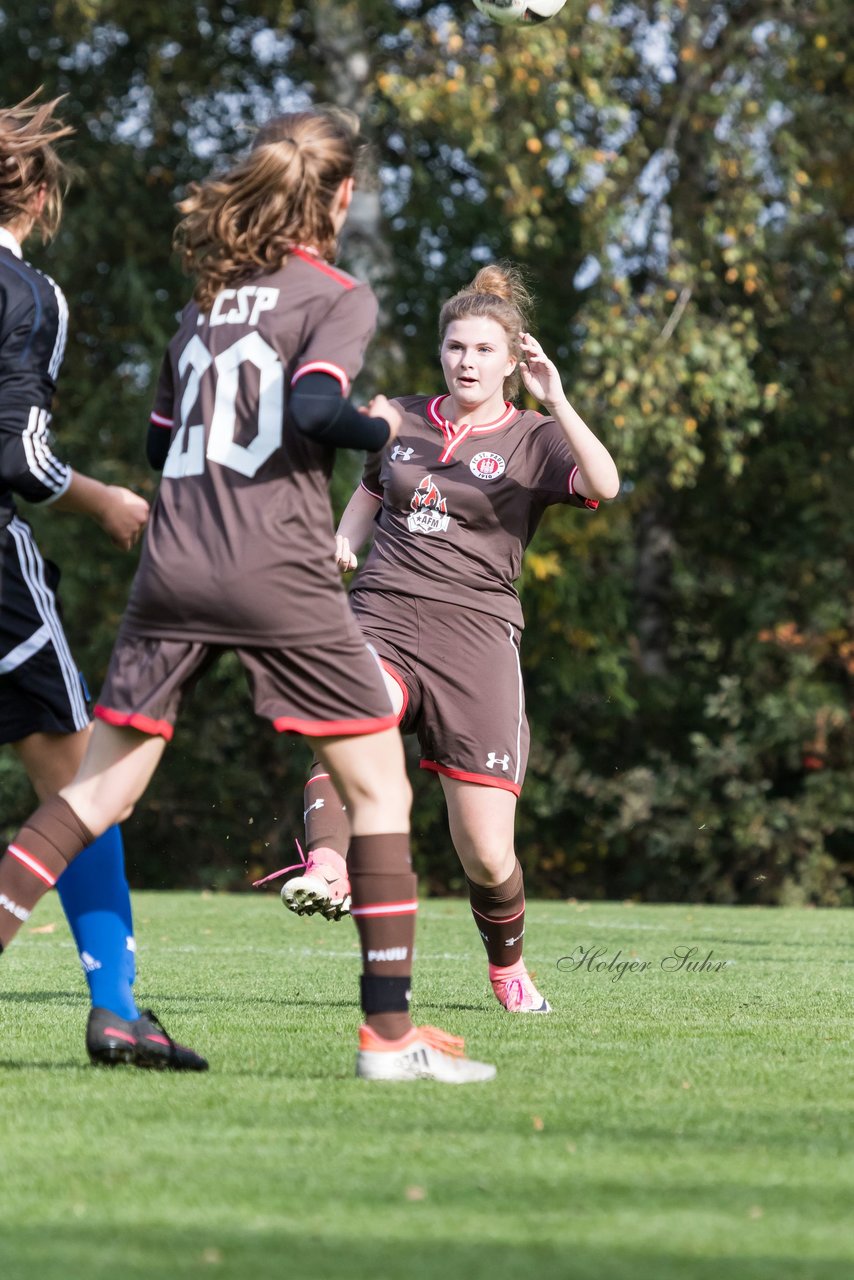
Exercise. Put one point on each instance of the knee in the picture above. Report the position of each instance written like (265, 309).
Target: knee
(395, 791)
(381, 793)
(488, 865)
(96, 813)
(95, 820)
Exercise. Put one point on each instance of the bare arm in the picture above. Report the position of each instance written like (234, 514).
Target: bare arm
(355, 528)
(121, 513)
(597, 471)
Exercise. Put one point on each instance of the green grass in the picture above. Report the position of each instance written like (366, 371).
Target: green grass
(663, 1125)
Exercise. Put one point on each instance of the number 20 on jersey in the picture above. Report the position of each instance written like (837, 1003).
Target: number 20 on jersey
(187, 451)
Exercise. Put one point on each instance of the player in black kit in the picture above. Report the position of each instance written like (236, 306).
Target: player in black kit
(44, 712)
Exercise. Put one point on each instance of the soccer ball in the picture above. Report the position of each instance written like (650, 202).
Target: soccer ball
(510, 12)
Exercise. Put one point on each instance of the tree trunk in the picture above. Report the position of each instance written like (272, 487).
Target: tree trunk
(653, 589)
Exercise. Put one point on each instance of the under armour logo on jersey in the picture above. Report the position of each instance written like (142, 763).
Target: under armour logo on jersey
(398, 453)
(318, 804)
(492, 760)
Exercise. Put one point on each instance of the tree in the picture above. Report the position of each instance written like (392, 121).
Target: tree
(674, 178)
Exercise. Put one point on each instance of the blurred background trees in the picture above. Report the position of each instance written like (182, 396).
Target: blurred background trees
(675, 179)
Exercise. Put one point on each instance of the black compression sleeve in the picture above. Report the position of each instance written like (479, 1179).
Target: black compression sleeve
(321, 411)
(157, 444)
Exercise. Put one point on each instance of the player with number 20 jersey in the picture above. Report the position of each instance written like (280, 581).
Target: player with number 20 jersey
(237, 550)
(239, 474)
(252, 399)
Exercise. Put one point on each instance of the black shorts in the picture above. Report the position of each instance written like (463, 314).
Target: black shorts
(41, 689)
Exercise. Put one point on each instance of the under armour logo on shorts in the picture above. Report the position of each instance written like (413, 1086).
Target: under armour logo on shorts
(492, 760)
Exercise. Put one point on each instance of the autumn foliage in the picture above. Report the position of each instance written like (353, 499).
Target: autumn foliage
(675, 179)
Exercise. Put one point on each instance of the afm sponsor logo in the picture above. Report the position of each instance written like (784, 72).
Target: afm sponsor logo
(429, 509)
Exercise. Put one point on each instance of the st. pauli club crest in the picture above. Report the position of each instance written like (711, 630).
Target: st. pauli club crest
(487, 466)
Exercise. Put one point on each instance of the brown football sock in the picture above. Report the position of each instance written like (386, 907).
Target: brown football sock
(35, 860)
(499, 913)
(384, 889)
(326, 824)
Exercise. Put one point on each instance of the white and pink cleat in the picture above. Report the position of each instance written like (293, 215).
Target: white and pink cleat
(322, 889)
(514, 988)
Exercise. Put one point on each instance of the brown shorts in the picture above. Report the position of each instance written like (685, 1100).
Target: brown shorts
(320, 692)
(462, 684)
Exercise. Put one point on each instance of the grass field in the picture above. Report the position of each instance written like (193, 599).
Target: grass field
(662, 1124)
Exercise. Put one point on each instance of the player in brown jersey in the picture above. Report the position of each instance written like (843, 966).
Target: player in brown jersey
(452, 504)
(239, 555)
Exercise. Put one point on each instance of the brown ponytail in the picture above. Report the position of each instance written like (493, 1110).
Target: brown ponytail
(29, 164)
(498, 292)
(246, 222)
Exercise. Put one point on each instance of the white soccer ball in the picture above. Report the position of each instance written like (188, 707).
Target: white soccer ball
(510, 12)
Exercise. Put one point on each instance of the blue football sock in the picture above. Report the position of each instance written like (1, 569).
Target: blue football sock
(96, 899)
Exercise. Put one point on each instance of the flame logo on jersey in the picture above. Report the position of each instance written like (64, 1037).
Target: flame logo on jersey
(429, 509)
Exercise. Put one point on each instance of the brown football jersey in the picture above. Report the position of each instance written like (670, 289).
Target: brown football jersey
(240, 545)
(458, 510)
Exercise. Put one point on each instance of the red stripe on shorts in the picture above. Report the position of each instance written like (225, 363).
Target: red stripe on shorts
(131, 720)
(403, 689)
(485, 779)
(333, 728)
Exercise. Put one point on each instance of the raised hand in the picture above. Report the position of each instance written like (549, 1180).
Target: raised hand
(539, 374)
